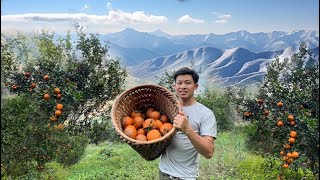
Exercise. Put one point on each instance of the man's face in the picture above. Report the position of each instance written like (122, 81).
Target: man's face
(185, 86)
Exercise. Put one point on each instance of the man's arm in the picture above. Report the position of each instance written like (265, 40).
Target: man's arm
(203, 144)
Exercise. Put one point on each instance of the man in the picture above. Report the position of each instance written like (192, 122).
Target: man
(197, 129)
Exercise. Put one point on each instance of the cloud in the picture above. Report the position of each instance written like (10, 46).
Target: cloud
(188, 19)
(85, 7)
(222, 18)
(114, 16)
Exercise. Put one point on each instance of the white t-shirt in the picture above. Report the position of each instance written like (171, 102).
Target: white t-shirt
(181, 159)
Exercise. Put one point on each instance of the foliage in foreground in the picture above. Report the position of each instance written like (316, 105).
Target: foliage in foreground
(53, 88)
(284, 114)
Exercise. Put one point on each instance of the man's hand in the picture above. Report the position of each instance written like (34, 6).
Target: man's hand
(181, 122)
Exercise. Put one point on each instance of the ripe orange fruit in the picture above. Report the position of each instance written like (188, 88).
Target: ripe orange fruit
(294, 154)
(46, 96)
(149, 111)
(56, 91)
(289, 160)
(292, 123)
(266, 112)
(158, 124)
(141, 137)
(59, 96)
(280, 104)
(53, 118)
(135, 114)
(154, 115)
(289, 154)
(164, 118)
(285, 166)
(153, 134)
(293, 134)
(280, 123)
(282, 153)
(57, 113)
(165, 128)
(33, 85)
(290, 118)
(46, 77)
(138, 122)
(142, 131)
(126, 121)
(149, 123)
(287, 146)
(59, 106)
(260, 101)
(285, 158)
(130, 131)
(292, 140)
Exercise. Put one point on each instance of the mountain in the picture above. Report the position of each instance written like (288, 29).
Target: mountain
(216, 67)
(135, 48)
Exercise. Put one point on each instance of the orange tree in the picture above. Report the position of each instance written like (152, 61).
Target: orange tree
(284, 114)
(45, 115)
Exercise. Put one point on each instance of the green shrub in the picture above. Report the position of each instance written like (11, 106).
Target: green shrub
(219, 103)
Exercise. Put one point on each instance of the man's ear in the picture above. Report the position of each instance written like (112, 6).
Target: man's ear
(196, 85)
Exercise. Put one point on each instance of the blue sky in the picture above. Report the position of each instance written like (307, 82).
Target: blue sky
(171, 16)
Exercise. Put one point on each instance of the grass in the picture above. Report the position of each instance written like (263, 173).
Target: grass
(232, 160)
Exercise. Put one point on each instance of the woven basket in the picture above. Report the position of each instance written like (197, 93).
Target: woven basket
(141, 98)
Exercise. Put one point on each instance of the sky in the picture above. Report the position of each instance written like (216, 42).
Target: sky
(175, 17)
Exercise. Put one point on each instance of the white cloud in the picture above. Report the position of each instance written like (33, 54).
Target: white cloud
(188, 19)
(114, 16)
(222, 18)
(85, 7)
(109, 6)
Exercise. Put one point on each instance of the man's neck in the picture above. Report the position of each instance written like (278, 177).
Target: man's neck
(188, 102)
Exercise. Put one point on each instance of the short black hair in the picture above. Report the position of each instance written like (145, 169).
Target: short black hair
(186, 70)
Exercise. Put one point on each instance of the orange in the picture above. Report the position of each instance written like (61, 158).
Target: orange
(46, 96)
(285, 166)
(158, 124)
(56, 91)
(130, 131)
(294, 154)
(292, 140)
(290, 118)
(260, 101)
(266, 112)
(289, 160)
(57, 113)
(153, 134)
(59, 106)
(149, 123)
(135, 114)
(293, 134)
(126, 121)
(141, 137)
(149, 111)
(154, 115)
(142, 131)
(53, 118)
(138, 122)
(46, 77)
(164, 118)
(282, 153)
(289, 155)
(292, 123)
(280, 123)
(165, 128)
(287, 146)
(33, 85)
(279, 104)
(59, 96)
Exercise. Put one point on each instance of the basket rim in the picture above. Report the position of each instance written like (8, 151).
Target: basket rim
(120, 132)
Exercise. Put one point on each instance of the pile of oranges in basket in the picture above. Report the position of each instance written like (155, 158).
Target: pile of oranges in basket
(146, 126)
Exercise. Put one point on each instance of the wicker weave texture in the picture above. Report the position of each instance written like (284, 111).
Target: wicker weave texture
(141, 98)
